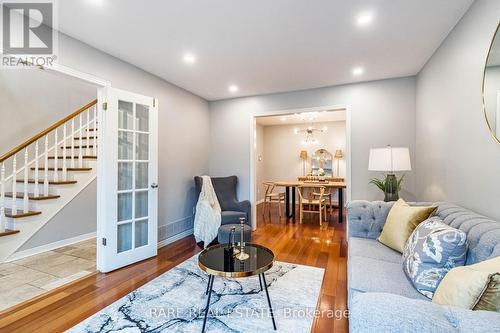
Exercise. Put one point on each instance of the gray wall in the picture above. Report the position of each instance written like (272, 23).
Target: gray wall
(183, 137)
(383, 112)
(73, 220)
(32, 100)
(183, 126)
(457, 159)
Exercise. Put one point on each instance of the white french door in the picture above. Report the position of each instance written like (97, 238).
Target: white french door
(127, 195)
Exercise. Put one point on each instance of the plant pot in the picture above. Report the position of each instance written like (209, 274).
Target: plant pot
(391, 188)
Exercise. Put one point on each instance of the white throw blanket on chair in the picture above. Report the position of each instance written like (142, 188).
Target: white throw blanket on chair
(208, 213)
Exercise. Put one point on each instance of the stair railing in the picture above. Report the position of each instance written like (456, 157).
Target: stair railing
(51, 141)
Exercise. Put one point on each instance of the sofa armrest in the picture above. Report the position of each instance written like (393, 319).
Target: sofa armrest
(382, 312)
(366, 219)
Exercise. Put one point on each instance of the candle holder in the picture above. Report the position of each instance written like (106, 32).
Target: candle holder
(242, 255)
(234, 250)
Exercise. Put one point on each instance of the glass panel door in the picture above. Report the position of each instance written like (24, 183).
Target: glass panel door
(133, 183)
(127, 215)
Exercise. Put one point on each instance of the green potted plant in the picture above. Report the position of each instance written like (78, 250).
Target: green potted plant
(389, 185)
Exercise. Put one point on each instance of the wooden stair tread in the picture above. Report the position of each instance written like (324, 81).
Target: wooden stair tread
(85, 138)
(8, 232)
(76, 157)
(20, 213)
(91, 129)
(61, 169)
(31, 196)
(51, 182)
(78, 147)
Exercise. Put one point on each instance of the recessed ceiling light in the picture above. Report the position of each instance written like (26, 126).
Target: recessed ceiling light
(364, 18)
(358, 71)
(233, 88)
(189, 58)
(283, 118)
(97, 2)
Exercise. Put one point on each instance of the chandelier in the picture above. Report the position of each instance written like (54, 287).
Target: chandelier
(309, 129)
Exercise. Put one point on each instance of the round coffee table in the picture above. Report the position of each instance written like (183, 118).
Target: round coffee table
(213, 261)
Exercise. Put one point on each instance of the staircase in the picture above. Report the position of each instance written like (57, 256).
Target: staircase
(42, 175)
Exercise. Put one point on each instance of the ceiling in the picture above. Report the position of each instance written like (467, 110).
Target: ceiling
(292, 119)
(264, 46)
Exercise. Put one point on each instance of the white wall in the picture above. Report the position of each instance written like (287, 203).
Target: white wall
(383, 112)
(457, 159)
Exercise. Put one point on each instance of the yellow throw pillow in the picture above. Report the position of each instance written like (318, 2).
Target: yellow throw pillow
(401, 222)
(474, 287)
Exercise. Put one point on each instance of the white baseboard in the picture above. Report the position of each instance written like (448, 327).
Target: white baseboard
(50, 246)
(175, 238)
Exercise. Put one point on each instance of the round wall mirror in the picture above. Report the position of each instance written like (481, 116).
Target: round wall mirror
(491, 87)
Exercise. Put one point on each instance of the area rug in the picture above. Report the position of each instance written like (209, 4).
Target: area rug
(175, 302)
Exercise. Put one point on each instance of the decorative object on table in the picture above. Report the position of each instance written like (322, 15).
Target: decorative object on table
(432, 250)
(322, 159)
(303, 157)
(184, 288)
(401, 221)
(389, 160)
(262, 259)
(474, 287)
(338, 156)
(230, 249)
(309, 129)
(242, 255)
(321, 175)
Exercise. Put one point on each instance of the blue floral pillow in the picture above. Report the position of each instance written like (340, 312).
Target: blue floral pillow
(432, 250)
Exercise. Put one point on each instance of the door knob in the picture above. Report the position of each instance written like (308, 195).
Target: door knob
(154, 185)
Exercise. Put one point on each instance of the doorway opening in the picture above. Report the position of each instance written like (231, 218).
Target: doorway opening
(306, 151)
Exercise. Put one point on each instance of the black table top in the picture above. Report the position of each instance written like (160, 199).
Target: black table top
(213, 261)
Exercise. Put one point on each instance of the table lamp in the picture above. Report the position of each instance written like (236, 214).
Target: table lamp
(338, 156)
(303, 157)
(390, 160)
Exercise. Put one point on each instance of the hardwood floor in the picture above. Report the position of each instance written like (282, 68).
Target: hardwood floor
(305, 244)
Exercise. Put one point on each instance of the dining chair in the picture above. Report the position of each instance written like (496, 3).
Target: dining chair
(270, 196)
(327, 196)
(309, 200)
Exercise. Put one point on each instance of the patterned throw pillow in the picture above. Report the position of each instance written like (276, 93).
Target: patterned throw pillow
(432, 250)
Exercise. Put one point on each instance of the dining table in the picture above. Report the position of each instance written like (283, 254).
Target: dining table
(291, 186)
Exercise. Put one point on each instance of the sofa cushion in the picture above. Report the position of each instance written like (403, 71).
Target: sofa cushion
(377, 312)
(371, 248)
(232, 217)
(373, 275)
(401, 222)
(466, 286)
(433, 249)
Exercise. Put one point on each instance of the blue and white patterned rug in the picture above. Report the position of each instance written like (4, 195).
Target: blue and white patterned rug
(176, 300)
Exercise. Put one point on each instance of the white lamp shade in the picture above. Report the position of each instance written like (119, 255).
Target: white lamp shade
(389, 159)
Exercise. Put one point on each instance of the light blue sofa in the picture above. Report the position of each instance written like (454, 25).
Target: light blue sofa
(382, 299)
